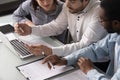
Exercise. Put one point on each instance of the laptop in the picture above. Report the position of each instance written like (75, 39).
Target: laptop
(13, 43)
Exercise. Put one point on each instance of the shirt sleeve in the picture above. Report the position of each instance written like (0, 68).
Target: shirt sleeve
(95, 75)
(84, 42)
(93, 33)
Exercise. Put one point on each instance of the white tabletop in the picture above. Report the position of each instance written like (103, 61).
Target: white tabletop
(9, 61)
(7, 19)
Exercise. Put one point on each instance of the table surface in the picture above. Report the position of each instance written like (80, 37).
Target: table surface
(9, 61)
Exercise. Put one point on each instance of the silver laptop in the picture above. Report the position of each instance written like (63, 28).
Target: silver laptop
(15, 45)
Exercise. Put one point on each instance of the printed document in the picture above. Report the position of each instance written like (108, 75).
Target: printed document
(38, 71)
(75, 75)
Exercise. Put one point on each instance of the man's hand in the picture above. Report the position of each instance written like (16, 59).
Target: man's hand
(85, 64)
(55, 60)
(38, 49)
(22, 29)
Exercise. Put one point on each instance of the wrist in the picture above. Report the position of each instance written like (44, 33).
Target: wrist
(47, 50)
(87, 70)
(64, 61)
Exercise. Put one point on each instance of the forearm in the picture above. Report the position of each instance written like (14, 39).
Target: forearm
(67, 49)
(49, 29)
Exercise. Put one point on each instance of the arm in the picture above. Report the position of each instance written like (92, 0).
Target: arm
(55, 27)
(96, 75)
(90, 36)
(88, 68)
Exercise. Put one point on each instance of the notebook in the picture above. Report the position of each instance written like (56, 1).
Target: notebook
(15, 45)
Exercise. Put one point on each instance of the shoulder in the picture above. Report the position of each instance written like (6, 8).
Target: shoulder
(26, 3)
(112, 37)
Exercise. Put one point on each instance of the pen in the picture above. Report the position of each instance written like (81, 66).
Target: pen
(21, 29)
(52, 66)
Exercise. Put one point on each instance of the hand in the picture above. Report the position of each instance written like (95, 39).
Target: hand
(85, 64)
(55, 60)
(22, 29)
(38, 49)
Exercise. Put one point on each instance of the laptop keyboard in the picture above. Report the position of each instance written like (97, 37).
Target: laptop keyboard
(20, 48)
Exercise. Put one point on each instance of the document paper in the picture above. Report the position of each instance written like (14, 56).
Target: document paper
(75, 75)
(38, 71)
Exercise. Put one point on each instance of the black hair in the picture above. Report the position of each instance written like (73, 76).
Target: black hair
(111, 8)
(35, 4)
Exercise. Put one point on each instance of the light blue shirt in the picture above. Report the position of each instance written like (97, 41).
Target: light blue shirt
(103, 49)
(38, 18)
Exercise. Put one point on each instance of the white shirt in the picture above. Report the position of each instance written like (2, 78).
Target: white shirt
(116, 57)
(84, 31)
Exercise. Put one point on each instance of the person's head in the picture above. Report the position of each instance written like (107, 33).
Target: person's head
(46, 5)
(75, 6)
(110, 15)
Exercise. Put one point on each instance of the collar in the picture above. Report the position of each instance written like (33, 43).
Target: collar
(114, 37)
(90, 5)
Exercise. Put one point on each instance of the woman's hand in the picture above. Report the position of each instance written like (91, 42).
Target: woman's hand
(22, 29)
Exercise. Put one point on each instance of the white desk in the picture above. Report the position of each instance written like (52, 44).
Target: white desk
(6, 19)
(9, 61)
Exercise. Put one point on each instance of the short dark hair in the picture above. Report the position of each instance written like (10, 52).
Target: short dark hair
(35, 4)
(111, 8)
